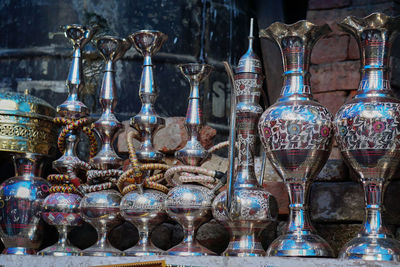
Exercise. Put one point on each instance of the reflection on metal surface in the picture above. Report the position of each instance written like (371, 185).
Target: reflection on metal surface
(245, 208)
(367, 132)
(296, 132)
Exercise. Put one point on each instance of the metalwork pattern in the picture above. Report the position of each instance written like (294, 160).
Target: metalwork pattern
(193, 153)
(21, 200)
(147, 122)
(304, 130)
(368, 133)
(65, 188)
(250, 208)
(100, 205)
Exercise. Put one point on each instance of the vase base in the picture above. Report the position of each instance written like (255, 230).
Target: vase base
(372, 248)
(56, 250)
(19, 251)
(193, 249)
(236, 248)
(296, 245)
(143, 251)
(101, 251)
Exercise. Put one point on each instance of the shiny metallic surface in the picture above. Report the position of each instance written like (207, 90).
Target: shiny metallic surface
(367, 132)
(21, 200)
(250, 208)
(102, 210)
(62, 211)
(26, 124)
(297, 134)
(79, 36)
(147, 122)
(194, 153)
(145, 211)
(190, 205)
(107, 126)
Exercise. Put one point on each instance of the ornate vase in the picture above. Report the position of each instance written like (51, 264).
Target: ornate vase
(27, 132)
(368, 133)
(296, 132)
(61, 207)
(145, 210)
(190, 203)
(252, 208)
(147, 122)
(101, 204)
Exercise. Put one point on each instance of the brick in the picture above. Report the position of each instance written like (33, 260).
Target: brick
(353, 50)
(331, 49)
(331, 16)
(327, 4)
(331, 100)
(279, 191)
(335, 76)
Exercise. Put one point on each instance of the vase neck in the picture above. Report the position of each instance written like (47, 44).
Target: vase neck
(375, 46)
(27, 165)
(296, 61)
(373, 196)
(299, 220)
(75, 75)
(248, 111)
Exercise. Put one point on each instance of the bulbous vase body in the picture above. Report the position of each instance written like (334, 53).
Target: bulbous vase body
(21, 198)
(190, 205)
(102, 210)
(368, 134)
(145, 211)
(296, 132)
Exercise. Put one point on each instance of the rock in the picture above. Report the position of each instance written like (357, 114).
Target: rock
(124, 236)
(216, 163)
(170, 138)
(270, 175)
(334, 170)
(337, 45)
(336, 202)
(268, 235)
(163, 235)
(213, 236)
(337, 235)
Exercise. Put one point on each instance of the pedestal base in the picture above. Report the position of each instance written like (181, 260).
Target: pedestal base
(305, 245)
(190, 249)
(101, 251)
(143, 251)
(236, 248)
(371, 248)
(19, 251)
(57, 250)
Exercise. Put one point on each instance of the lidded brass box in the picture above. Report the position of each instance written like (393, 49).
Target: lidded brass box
(26, 124)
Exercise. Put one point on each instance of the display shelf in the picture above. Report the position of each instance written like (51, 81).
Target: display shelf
(72, 261)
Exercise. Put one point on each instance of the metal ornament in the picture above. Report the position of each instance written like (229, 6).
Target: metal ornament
(27, 132)
(147, 122)
(368, 133)
(102, 208)
(248, 208)
(145, 210)
(296, 132)
(194, 153)
(61, 207)
(190, 204)
(21, 198)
